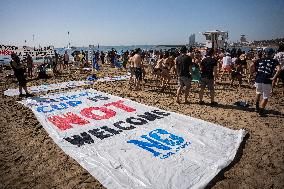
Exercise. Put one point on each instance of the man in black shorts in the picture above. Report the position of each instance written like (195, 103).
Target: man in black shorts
(137, 65)
(184, 72)
(208, 68)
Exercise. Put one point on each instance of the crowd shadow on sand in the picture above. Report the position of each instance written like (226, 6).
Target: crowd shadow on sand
(172, 92)
(221, 174)
(270, 113)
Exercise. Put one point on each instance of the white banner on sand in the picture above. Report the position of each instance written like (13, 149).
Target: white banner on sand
(63, 85)
(125, 144)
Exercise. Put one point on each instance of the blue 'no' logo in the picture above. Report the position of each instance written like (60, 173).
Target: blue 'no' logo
(161, 143)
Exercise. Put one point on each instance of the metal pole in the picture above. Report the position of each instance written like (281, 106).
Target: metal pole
(68, 40)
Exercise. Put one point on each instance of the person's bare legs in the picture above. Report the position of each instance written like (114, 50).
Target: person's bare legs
(262, 107)
(257, 99)
(138, 87)
(25, 89)
(186, 92)
(221, 76)
(20, 89)
(240, 81)
(232, 82)
(263, 103)
(178, 94)
(212, 95)
(201, 93)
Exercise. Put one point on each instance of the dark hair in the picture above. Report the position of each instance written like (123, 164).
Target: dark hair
(167, 54)
(183, 49)
(281, 47)
(137, 50)
(209, 52)
(15, 58)
(269, 51)
(132, 53)
(259, 54)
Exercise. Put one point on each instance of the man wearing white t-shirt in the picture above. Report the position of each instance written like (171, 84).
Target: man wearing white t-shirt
(226, 64)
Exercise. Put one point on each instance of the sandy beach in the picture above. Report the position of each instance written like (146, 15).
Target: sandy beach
(30, 159)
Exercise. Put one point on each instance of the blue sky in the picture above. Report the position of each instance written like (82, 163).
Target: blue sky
(133, 22)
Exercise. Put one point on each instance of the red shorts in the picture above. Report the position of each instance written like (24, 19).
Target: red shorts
(227, 68)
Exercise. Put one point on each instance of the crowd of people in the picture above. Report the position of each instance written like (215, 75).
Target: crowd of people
(207, 67)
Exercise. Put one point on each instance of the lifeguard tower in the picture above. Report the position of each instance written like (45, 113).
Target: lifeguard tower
(216, 39)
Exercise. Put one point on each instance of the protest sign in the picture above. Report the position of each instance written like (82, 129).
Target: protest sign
(23, 51)
(125, 144)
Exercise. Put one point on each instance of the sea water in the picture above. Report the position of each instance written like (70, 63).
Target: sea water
(119, 49)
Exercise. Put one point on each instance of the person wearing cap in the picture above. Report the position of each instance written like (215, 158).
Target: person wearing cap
(184, 72)
(208, 71)
(264, 68)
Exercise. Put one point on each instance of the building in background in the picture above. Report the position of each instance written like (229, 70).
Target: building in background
(191, 40)
(216, 39)
(243, 40)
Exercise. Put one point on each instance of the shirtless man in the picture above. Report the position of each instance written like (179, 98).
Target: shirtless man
(137, 64)
(66, 60)
(158, 67)
(131, 68)
(166, 67)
